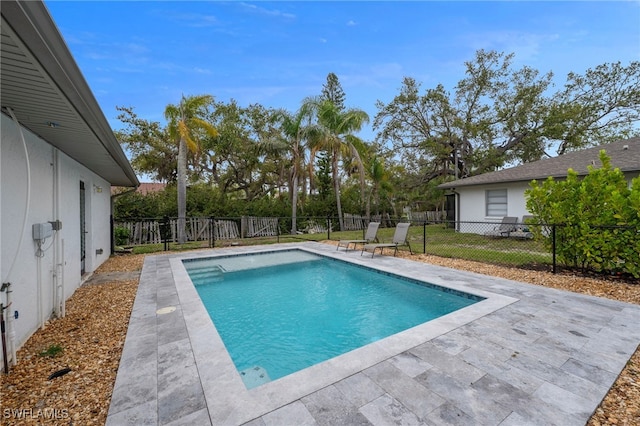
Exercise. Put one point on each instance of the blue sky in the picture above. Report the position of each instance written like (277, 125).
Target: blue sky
(146, 54)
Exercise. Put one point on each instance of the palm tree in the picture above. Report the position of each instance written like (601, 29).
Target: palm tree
(186, 126)
(380, 181)
(296, 128)
(336, 136)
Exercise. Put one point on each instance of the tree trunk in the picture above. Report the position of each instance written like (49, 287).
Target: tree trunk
(336, 187)
(182, 190)
(303, 189)
(294, 199)
(368, 205)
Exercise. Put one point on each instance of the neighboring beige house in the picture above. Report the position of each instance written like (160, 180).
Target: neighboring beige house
(59, 158)
(491, 196)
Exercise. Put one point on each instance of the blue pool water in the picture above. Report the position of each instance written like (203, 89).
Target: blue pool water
(280, 312)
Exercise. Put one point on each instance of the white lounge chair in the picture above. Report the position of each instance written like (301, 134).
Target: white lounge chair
(507, 226)
(370, 236)
(522, 229)
(399, 239)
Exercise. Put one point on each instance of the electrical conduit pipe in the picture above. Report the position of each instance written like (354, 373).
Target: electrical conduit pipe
(9, 323)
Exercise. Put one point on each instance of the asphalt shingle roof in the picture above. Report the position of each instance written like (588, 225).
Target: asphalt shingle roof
(624, 154)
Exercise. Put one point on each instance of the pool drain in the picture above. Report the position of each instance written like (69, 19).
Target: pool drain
(254, 376)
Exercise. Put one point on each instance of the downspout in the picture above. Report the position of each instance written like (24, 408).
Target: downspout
(54, 275)
(9, 323)
(457, 208)
(113, 197)
(64, 302)
(39, 290)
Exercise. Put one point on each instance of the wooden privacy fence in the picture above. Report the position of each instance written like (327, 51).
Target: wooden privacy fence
(140, 232)
(196, 229)
(355, 222)
(432, 216)
(226, 230)
(199, 228)
(259, 226)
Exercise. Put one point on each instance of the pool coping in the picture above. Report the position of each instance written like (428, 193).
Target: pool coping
(174, 366)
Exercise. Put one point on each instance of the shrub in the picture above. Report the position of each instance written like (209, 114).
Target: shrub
(597, 218)
(122, 236)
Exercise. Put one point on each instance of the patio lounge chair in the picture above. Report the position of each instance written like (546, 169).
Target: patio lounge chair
(507, 226)
(399, 239)
(370, 236)
(522, 229)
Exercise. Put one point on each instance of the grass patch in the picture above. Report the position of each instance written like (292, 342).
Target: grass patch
(437, 240)
(489, 256)
(441, 241)
(52, 351)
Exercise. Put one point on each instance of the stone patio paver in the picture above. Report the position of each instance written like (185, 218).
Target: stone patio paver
(526, 355)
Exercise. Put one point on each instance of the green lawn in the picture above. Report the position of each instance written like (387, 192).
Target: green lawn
(440, 241)
(446, 242)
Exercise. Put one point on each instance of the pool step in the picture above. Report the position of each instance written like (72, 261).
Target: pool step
(243, 263)
(209, 274)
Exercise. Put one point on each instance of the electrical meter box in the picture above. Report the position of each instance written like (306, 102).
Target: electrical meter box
(42, 231)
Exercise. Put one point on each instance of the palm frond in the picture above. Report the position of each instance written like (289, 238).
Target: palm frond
(204, 125)
(171, 112)
(195, 104)
(274, 144)
(186, 135)
(172, 115)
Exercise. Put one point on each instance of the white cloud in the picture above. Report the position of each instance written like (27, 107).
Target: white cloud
(196, 21)
(133, 48)
(123, 53)
(526, 46)
(202, 70)
(193, 20)
(128, 70)
(351, 23)
(268, 12)
(96, 56)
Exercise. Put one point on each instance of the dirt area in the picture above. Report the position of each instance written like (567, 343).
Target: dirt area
(89, 341)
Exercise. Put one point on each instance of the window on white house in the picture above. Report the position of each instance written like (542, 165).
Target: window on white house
(496, 202)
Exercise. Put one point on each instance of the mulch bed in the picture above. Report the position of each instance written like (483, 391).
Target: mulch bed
(92, 333)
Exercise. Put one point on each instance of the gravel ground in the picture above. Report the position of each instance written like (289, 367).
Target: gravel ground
(91, 337)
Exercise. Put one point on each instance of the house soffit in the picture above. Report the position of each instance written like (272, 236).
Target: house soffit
(45, 90)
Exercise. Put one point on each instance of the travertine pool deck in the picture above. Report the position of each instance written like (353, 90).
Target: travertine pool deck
(525, 355)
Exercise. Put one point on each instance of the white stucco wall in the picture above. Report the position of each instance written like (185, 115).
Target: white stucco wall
(34, 195)
(472, 205)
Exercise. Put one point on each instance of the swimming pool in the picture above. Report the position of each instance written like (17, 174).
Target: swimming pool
(282, 311)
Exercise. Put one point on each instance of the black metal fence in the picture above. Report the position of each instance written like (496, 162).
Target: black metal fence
(524, 245)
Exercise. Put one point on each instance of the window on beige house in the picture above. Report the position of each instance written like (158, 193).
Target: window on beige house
(496, 202)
